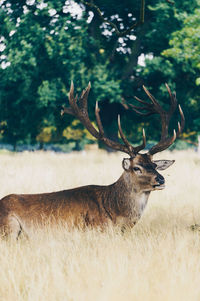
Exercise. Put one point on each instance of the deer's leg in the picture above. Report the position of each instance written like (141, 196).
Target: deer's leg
(11, 227)
(127, 227)
(14, 227)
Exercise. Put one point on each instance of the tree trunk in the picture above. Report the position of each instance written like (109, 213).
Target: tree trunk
(15, 146)
(41, 146)
(136, 51)
(77, 146)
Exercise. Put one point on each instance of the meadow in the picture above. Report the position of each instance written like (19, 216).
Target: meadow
(159, 259)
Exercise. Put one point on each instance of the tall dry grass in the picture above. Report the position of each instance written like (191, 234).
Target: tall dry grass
(158, 260)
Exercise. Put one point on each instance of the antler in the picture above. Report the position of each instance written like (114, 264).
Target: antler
(79, 109)
(155, 108)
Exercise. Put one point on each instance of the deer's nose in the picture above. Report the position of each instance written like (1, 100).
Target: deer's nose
(160, 179)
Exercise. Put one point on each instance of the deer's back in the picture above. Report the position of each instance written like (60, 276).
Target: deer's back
(80, 205)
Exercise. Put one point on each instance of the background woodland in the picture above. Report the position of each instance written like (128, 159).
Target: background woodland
(46, 44)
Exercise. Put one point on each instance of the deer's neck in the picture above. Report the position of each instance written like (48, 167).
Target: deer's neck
(126, 199)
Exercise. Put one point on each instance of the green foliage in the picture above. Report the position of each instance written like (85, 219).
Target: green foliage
(104, 87)
(185, 46)
(46, 47)
(184, 52)
(77, 132)
(46, 135)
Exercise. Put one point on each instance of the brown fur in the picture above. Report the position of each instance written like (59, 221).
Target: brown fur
(93, 205)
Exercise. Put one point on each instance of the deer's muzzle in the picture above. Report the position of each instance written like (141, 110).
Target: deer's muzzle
(160, 182)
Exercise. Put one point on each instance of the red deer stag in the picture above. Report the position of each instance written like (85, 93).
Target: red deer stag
(120, 203)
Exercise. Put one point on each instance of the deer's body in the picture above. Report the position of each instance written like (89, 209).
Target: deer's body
(120, 203)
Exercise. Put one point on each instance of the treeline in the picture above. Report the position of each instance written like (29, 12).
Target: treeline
(46, 44)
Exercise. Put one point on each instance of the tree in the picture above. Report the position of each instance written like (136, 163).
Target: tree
(39, 50)
(46, 47)
(179, 65)
(150, 40)
(185, 49)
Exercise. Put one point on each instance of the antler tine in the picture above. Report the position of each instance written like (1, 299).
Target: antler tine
(153, 108)
(80, 111)
(98, 119)
(142, 101)
(126, 148)
(66, 110)
(166, 141)
(142, 146)
(150, 108)
(157, 106)
(84, 97)
(159, 147)
(145, 108)
(173, 99)
(182, 124)
(133, 150)
(72, 100)
(130, 147)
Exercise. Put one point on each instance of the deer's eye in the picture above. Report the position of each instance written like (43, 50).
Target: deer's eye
(137, 169)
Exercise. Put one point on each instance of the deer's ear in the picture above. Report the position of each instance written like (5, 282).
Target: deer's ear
(126, 163)
(163, 164)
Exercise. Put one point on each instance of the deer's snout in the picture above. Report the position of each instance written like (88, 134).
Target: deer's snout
(160, 179)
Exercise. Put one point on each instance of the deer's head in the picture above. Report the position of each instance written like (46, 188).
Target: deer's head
(140, 167)
(143, 171)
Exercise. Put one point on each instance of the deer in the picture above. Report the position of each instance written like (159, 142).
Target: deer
(121, 203)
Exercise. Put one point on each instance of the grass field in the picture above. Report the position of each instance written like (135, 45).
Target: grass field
(158, 260)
